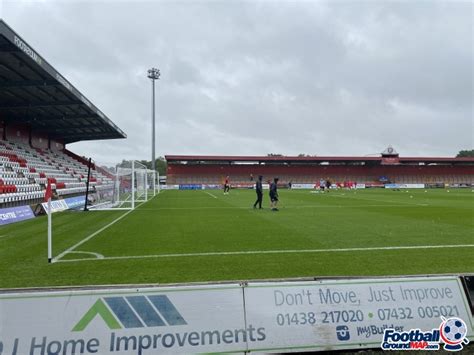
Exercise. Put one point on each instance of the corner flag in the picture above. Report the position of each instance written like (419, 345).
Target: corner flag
(49, 193)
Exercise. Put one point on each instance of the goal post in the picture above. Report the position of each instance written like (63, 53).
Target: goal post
(153, 178)
(124, 186)
(140, 182)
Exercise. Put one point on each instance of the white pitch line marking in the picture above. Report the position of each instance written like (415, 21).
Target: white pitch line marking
(97, 255)
(125, 200)
(291, 251)
(3, 236)
(285, 207)
(212, 195)
(57, 258)
(373, 199)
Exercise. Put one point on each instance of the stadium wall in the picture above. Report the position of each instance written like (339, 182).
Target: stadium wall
(55, 144)
(39, 140)
(18, 133)
(24, 134)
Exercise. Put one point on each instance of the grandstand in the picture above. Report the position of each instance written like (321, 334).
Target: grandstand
(389, 167)
(40, 112)
(25, 172)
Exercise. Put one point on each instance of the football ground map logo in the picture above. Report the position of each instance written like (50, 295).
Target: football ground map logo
(452, 332)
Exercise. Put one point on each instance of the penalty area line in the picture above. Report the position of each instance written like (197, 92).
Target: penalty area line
(260, 252)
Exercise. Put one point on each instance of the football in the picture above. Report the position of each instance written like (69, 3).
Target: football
(454, 330)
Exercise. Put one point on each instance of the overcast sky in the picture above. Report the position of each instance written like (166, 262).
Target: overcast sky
(258, 77)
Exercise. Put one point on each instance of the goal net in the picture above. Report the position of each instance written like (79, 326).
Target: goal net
(121, 187)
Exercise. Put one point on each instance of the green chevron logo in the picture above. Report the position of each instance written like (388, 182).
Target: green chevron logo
(99, 308)
(132, 312)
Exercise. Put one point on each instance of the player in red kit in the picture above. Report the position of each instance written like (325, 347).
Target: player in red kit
(226, 186)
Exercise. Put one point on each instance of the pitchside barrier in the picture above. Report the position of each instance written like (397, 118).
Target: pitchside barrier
(298, 186)
(284, 316)
(22, 213)
(15, 214)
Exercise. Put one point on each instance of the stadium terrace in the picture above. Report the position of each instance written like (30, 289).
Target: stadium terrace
(388, 168)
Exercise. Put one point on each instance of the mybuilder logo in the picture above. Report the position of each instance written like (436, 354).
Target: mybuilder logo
(132, 312)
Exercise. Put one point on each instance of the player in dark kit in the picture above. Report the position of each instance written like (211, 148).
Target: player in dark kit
(259, 190)
(274, 194)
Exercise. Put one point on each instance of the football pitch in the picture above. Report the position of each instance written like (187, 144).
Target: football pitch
(199, 236)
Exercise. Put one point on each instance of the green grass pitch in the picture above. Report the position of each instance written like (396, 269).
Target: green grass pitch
(197, 236)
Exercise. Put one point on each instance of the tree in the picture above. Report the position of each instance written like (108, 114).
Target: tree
(146, 163)
(160, 164)
(274, 155)
(465, 154)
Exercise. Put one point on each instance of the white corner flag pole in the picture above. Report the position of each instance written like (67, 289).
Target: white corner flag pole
(50, 246)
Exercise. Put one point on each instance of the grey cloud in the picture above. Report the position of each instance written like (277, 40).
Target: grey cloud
(241, 77)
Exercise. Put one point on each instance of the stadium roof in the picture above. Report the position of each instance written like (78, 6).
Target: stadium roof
(316, 159)
(32, 92)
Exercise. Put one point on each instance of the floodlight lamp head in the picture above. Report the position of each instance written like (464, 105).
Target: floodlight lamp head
(154, 73)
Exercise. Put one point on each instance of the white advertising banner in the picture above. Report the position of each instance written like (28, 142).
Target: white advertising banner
(413, 186)
(170, 187)
(302, 186)
(404, 186)
(332, 315)
(56, 206)
(398, 313)
(126, 321)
